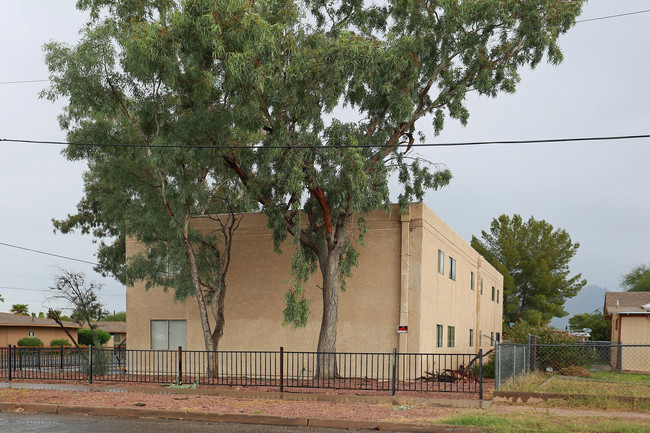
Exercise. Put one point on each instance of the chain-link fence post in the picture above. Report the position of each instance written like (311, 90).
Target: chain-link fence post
(497, 366)
(620, 357)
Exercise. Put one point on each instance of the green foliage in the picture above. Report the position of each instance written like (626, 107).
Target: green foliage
(22, 309)
(59, 342)
(563, 353)
(117, 317)
(546, 334)
(236, 100)
(534, 260)
(488, 368)
(30, 342)
(638, 279)
(86, 337)
(600, 328)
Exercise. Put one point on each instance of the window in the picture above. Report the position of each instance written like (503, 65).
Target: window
(168, 334)
(452, 269)
(471, 280)
(498, 337)
(481, 286)
(480, 337)
(493, 292)
(451, 336)
(497, 296)
(438, 335)
(491, 338)
(441, 262)
(471, 337)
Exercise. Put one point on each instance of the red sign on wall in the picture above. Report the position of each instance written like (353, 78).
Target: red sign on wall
(402, 329)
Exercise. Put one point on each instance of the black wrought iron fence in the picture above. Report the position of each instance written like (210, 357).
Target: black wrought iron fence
(364, 371)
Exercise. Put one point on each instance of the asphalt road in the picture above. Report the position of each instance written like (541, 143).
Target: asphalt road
(47, 423)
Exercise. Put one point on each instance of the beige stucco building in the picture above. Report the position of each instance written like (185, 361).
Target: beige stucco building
(413, 271)
(629, 316)
(13, 327)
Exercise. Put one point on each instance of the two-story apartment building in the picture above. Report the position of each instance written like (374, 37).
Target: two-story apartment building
(418, 287)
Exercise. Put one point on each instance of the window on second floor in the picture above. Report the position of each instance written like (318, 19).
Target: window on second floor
(441, 262)
(493, 292)
(471, 337)
(481, 286)
(471, 280)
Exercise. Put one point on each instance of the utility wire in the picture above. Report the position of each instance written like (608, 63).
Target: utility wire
(47, 254)
(23, 81)
(343, 146)
(47, 290)
(613, 16)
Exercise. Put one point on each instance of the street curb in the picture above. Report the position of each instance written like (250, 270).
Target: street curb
(538, 397)
(233, 418)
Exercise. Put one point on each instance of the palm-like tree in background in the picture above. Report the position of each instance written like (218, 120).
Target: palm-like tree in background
(22, 309)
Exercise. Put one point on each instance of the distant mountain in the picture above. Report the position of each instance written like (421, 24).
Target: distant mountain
(588, 300)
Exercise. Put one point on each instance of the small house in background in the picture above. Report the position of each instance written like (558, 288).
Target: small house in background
(117, 331)
(629, 314)
(13, 327)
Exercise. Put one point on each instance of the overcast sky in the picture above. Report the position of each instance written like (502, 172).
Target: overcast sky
(598, 191)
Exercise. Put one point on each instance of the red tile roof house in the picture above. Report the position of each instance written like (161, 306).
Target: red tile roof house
(629, 313)
(13, 327)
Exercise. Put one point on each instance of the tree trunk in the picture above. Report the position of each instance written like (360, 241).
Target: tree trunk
(198, 291)
(218, 312)
(326, 359)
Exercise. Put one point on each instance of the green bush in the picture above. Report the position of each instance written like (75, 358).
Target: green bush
(488, 368)
(30, 342)
(59, 342)
(86, 337)
(565, 351)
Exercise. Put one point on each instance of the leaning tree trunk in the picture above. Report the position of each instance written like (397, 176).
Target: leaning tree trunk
(218, 312)
(326, 359)
(198, 292)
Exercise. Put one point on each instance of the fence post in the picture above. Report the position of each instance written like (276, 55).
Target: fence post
(281, 369)
(62, 349)
(620, 357)
(394, 371)
(180, 364)
(497, 366)
(9, 361)
(90, 364)
(39, 350)
(480, 374)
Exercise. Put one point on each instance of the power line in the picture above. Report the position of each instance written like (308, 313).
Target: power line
(613, 16)
(47, 290)
(23, 81)
(48, 254)
(344, 146)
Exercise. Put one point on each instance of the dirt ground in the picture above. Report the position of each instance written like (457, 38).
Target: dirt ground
(425, 413)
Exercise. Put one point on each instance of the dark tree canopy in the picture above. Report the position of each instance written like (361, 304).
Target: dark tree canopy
(637, 280)
(534, 260)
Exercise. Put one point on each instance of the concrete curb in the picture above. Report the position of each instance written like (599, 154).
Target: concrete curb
(235, 418)
(538, 397)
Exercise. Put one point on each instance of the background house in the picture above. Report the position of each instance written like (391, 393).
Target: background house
(117, 331)
(13, 327)
(629, 314)
(413, 271)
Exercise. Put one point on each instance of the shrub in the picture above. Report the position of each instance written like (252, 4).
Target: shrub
(30, 342)
(563, 353)
(86, 336)
(59, 342)
(488, 368)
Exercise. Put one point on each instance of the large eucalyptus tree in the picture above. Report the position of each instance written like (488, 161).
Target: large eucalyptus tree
(311, 105)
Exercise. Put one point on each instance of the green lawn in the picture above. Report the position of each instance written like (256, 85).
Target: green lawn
(546, 423)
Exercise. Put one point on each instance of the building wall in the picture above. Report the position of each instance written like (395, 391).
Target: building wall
(395, 283)
(11, 334)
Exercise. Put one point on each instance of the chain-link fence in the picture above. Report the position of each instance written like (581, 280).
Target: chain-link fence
(516, 360)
